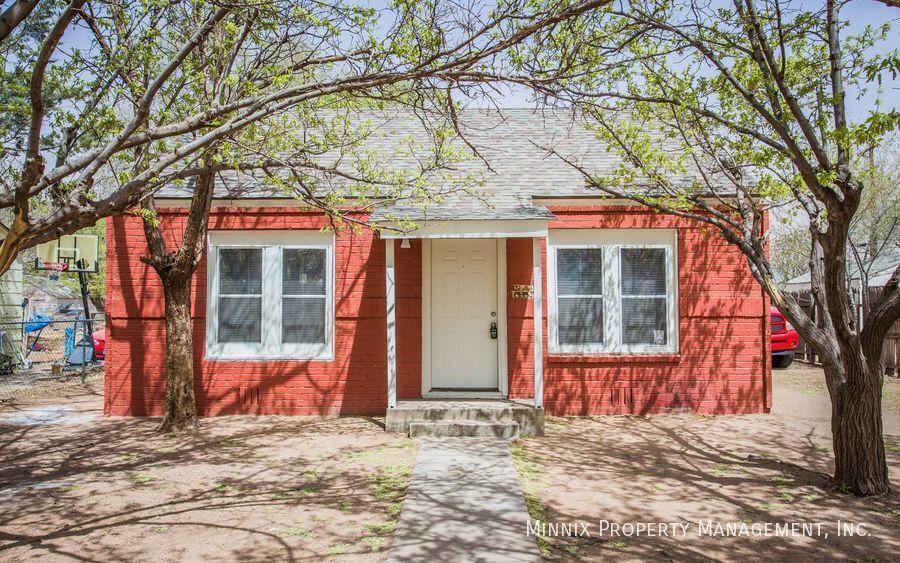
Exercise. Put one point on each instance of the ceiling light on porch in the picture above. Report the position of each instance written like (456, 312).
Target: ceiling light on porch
(404, 243)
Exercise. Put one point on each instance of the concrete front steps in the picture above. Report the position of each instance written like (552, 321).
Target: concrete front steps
(464, 429)
(467, 418)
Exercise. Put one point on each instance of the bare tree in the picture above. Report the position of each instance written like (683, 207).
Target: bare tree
(722, 113)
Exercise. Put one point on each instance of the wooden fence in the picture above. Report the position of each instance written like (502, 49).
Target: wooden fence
(890, 354)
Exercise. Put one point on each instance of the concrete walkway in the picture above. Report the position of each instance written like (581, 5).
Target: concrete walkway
(464, 504)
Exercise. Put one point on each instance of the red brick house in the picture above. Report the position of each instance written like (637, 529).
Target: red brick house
(552, 295)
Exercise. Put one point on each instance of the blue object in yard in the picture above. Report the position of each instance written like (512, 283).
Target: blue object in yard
(69, 345)
(37, 322)
(80, 354)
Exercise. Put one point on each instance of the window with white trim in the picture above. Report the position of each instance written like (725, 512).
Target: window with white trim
(612, 291)
(270, 295)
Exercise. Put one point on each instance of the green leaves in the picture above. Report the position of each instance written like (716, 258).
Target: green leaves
(742, 95)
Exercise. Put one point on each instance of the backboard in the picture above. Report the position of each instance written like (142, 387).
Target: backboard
(69, 253)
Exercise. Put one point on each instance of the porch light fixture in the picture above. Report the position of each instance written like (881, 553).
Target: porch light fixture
(404, 243)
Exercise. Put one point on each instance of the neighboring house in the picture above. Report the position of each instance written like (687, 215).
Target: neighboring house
(53, 298)
(879, 270)
(11, 304)
(636, 312)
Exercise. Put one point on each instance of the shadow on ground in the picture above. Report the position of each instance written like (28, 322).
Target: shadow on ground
(731, 469)
(76, 486)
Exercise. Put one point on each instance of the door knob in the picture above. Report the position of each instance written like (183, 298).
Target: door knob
(493, 331)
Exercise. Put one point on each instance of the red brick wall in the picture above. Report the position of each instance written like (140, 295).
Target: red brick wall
(723, 364)
(354, 382)
(721, 367)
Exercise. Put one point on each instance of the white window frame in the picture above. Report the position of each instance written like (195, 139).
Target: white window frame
(271, 347)
(611, 241)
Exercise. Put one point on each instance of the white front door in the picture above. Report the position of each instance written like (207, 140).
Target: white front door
(463, 308)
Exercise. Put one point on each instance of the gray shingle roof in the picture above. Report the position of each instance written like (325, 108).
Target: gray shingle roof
(879, 270)
(514, 165)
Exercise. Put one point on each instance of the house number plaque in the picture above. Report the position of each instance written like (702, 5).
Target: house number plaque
(523, 291)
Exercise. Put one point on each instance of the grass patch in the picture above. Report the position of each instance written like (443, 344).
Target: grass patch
(528, 466)
(556, 424)
(892, 447)
(374, 543)
(720, 471)
(338, 549)
(298, 533)
(143, 478)
(526, 462)
(786, 496)
(345, 506)
(382, 528)
(393, 510)
(223, 487)
(303, 492)
(783, 480)
(390, 481)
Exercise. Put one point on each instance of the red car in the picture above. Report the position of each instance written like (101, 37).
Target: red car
(784, 340)
(99, 344)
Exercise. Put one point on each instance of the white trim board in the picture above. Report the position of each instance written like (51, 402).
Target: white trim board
(471, 228)
(391, 316)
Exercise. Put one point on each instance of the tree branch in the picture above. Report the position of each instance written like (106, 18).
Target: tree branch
(14, 15)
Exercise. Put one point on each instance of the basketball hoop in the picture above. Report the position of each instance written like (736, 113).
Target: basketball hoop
(70, 253)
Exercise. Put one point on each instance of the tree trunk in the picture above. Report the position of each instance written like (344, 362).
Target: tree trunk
(856, 426)
(175, 270)
(181, 411)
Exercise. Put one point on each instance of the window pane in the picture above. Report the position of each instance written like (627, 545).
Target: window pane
(303, 320)
(240, 319)
(580, 320)
(303, 271)
(579, 271)
(643, 271)
(240, 271)
(644, 320)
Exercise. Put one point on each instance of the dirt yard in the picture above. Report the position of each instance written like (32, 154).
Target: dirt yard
(681, 469)
(74, 486)
(77, 487)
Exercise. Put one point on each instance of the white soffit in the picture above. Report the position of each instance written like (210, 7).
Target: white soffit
(493, 228)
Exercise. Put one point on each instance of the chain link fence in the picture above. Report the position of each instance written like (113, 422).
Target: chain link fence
(43, 354)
